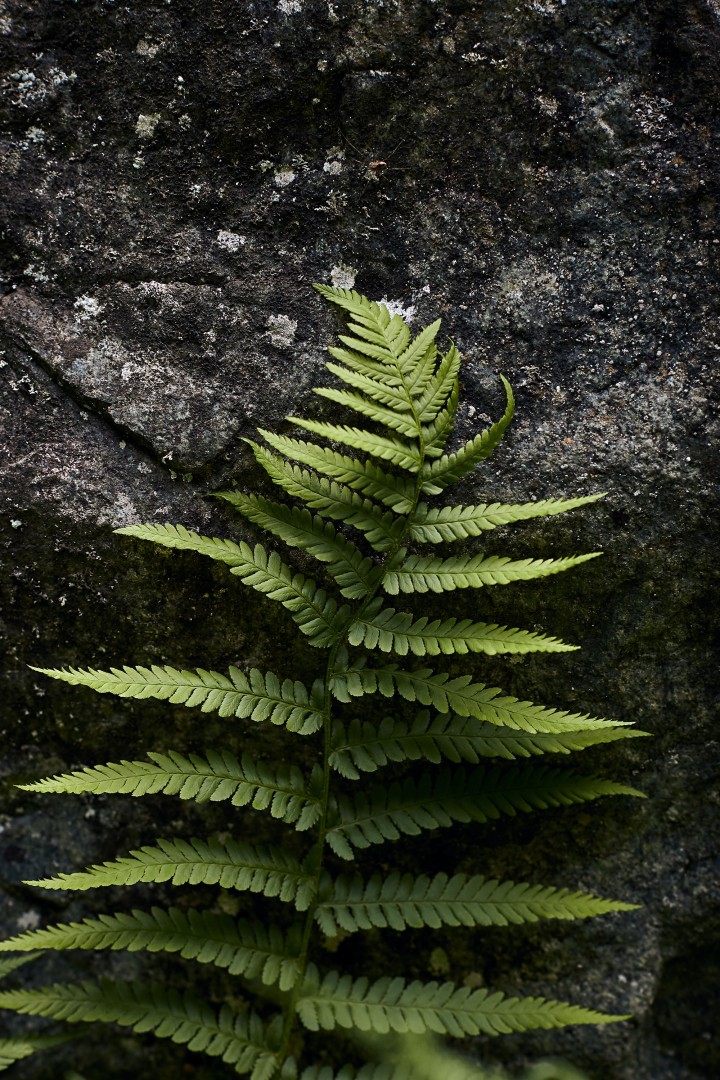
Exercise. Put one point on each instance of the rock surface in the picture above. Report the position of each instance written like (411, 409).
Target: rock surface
(543, 175)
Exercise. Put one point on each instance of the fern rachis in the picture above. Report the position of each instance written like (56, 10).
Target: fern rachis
(358, 518)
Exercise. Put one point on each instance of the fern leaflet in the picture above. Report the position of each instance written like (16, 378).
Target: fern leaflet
(460, 695)
(257, 696)
(409, 806)
(364, 476)
(381, 528)
(394, 1005)
(399, 632)
(240, 1040)
(282, 790)
(364, 746)
(354, 572)
(427, 574)
(447, 523)
(452, 467)
(402, 900)
(244, 947)
(267, 870)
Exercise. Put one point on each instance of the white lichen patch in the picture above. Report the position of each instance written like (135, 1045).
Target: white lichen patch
(37, 273)
(29, 920)
(147, 48)
(87, 307)
(334, 167)
(289, 7)
(284, 177)
(396, 307)
(122, 512)
(282, 329)
(230, 241)
(34, 135)
(342, 276)
(146, 124)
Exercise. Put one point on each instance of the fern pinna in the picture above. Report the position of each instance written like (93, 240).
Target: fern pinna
(409, 392)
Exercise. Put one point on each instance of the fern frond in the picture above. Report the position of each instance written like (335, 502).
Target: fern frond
(422, 573)
(402, 422)
(394, 1005)
(245, 947)
(436, 434)
(239, 1040)
(442, 386)
(362, 364)
(8, 964)
(452, 467)
(365, 746)
(247, 867)
(330, 499)
(280, 789)
(317, 615)
(23, 1046)
(446, 523)
(177, 536)
(256, 696)
(401, 900)
(399, 453)
(363, 476)
(460, 695)
(371, 319)
(431, 802)
(378, 387)
(300, 529)
(400, 632)
(417, 362)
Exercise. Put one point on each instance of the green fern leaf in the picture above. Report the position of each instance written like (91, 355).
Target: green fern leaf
(399, 631)
(483, 794)
(300, 529)
(245, 947)
(436, 434)
(317, 615)
(452, 467)
(399, 453)
(402, 422)
(239, 1040)
(394, 1005)
(384, 390)
(256, 696)
(447, 523)
(460, 695)
(442, 386)
(429, 574)
(17, 1049)
(418, 360)
(400, 901)
(365, 746)
(11, 963)
(330, 499)
(177, 536)
(282, 790)
(363, 476)
(248, 867)
(372, 320)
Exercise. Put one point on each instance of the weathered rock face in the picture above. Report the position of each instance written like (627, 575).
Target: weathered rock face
(540, 173)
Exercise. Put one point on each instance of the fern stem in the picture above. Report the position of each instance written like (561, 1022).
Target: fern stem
(318, 849)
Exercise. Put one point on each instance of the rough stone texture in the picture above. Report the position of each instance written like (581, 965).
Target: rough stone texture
(542, 174)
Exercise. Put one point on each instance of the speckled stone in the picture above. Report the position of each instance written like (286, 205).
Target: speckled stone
(542, 174)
